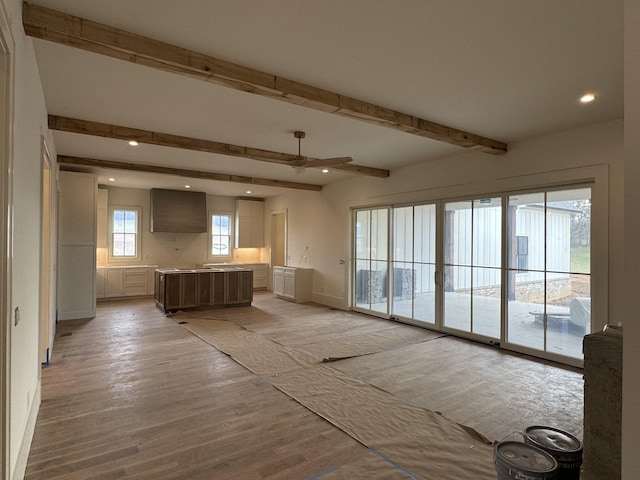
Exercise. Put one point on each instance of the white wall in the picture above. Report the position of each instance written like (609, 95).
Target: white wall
(182, 250)
(631, 383)
(30, 123)
(313, 222)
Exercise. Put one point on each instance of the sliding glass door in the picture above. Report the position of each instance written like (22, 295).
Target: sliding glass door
(549, 270)
(371, 260)
(472, 266)
(413, 263)
(510, 269)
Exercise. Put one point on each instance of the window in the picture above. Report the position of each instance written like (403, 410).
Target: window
(522, 252)
(125, 228)
(220, 235)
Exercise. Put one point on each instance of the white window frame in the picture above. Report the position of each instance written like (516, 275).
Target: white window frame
(210, 254)
(138, 255)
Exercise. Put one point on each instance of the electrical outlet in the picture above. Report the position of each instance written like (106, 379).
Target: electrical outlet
(16, 316)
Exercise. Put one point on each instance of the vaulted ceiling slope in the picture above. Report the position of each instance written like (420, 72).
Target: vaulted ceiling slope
(370, 79)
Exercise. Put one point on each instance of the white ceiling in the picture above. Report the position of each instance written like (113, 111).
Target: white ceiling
(508, 70)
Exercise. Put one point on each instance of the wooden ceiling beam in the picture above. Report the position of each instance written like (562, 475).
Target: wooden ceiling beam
(85, 127)
(59, 27)
(220, 177)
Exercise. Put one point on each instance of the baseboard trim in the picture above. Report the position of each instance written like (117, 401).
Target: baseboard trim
(23, 454)
(330, 301)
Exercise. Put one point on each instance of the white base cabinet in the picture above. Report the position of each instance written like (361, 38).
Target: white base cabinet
(292, 283)
(129, 281)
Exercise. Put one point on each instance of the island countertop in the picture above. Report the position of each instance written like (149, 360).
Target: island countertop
(203, 270)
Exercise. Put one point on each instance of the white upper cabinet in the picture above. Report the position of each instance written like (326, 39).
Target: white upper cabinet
(249, 224)
(102, 218)
(77, 209)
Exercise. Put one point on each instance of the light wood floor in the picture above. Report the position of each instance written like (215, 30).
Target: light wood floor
(132, 394)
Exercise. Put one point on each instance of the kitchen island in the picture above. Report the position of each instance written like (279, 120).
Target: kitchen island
(179, 289)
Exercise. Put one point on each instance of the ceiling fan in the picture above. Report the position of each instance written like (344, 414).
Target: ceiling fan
(302, 162)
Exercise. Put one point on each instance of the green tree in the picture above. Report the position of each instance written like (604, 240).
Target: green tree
(581, 224)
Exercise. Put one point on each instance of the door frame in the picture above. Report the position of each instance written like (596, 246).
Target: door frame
(6, 236)
(47, 256)
(278, 233)
(273, 235)
(595, 176)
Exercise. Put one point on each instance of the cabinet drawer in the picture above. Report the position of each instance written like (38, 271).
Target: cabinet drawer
(129, 290)
(260, 277)
(135, 276)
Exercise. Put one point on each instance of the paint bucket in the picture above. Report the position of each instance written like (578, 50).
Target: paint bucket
(521, 461)
(564, 447)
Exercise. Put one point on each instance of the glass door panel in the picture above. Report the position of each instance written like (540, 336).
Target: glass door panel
(401, 263)
(371, 260)
(424, 258)
(568, 216)
(549, 293)
(413, 263)
(486, 306)
(472, 266)
(424, 308)
(457, 301)
(457, 265)
(525, 272)
(402, 289)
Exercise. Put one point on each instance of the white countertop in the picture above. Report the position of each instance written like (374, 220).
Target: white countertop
(127, 266)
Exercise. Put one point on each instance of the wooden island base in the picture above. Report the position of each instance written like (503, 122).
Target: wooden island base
(177, 289)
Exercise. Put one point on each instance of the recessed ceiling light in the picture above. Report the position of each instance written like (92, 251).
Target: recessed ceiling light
(187, 186)
(587, 98)
(111, 179)
(325, 170)
(133, 143)
(248, 191)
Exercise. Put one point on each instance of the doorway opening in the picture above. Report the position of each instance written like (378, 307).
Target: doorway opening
(47, 323)
(278, 239)
(6, 232)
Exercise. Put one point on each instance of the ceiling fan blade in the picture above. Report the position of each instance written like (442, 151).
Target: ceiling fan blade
(328, 162)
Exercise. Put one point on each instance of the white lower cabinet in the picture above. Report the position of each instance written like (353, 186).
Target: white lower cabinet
(100, 282)
(127, 281)
(134, 281)
(113, 282)
(260, 274)
(292, 283)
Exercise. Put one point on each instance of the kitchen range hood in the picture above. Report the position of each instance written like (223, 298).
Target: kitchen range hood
(178, 211)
